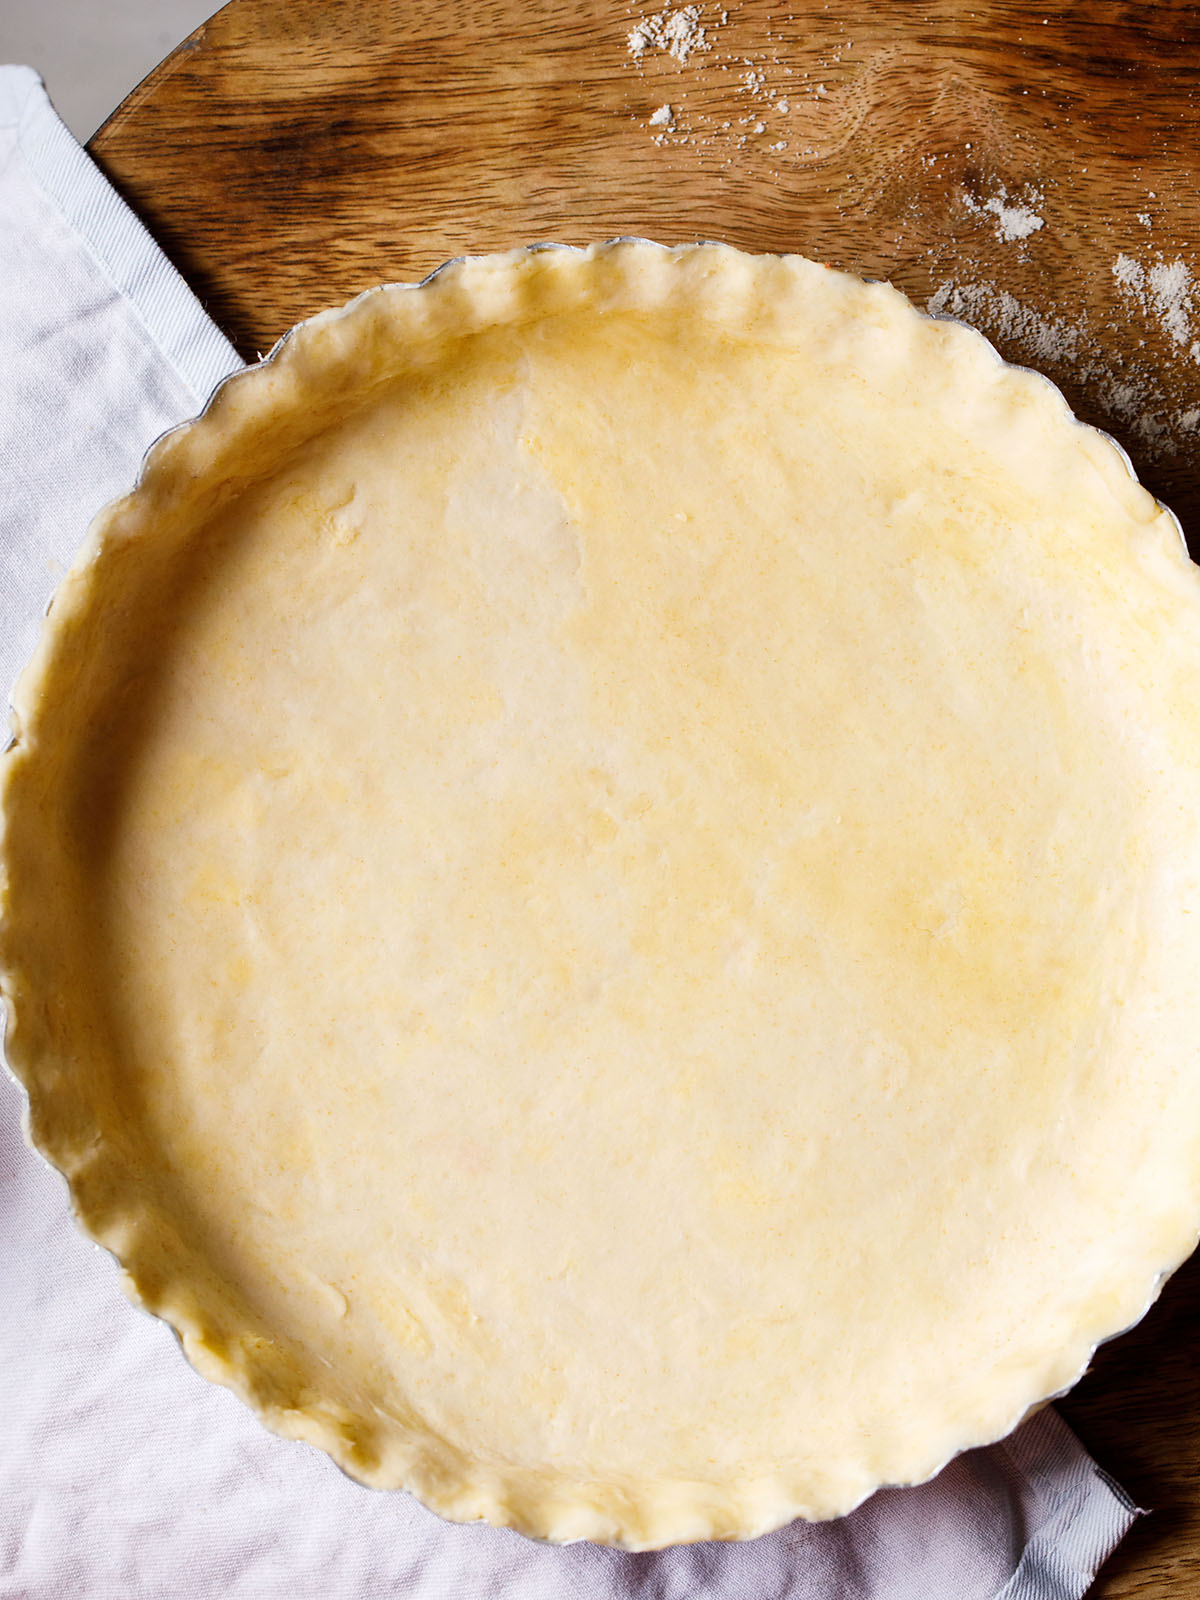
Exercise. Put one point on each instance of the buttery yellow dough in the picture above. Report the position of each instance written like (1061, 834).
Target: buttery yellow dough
(602, 882)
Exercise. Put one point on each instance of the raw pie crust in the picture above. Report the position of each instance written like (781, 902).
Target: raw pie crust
(601, 886)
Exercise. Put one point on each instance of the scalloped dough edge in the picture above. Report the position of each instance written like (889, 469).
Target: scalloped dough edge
(320, 360)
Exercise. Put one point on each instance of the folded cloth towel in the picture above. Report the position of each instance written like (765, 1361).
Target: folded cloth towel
(123, 1474)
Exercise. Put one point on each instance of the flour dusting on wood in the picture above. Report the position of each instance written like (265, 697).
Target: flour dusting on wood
(801, 99)
(1130, 394)
(678, 33)
(777, 85)
(1165, 290)
(1014, 219)
(1042, 340)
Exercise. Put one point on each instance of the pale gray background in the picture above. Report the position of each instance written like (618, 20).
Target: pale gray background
(91, 53)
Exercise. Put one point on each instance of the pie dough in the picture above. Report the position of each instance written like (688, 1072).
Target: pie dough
(601, 896)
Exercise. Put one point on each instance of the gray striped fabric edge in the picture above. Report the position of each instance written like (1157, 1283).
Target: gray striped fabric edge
(1088, 1514)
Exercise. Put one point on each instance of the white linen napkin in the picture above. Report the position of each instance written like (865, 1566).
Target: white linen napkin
(122, 1474)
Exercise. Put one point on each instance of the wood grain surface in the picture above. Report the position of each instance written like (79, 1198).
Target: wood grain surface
(1032, 169)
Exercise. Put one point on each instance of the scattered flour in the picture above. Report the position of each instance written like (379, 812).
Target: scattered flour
(775, 85)
(1048, 340)
(1129, 395)
(678, 32)
(1136, 394)
(1128, 273)
(1164, 290)
(1014, 219)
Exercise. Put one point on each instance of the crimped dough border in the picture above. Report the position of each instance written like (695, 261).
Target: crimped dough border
(322, 362)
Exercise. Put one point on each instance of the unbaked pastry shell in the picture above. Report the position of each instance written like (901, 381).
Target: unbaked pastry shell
(59, 989)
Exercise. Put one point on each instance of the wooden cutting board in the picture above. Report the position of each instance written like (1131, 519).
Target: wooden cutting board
(1033, 170)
